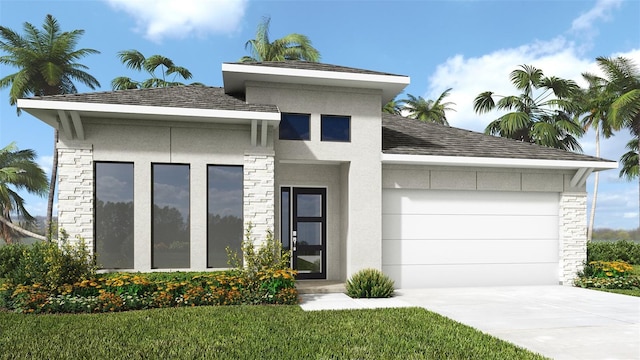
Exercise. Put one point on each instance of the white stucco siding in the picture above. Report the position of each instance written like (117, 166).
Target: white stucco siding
(361, 169)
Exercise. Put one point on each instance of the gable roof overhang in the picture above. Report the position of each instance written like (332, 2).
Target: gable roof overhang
(583, 168)
(235, 75)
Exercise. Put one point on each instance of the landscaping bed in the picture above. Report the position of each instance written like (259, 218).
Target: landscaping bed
(612, 267)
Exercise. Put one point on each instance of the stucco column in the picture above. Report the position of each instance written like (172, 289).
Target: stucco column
(259, 194)
(75, 192)
(573, 235)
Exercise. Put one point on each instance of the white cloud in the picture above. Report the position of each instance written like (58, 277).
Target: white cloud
(160, 19)
(469, 76)
(46, 163)
(601, 11)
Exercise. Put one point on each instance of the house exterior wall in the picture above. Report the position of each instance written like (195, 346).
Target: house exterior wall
(572, 200)
(362, 176)
(149, 142)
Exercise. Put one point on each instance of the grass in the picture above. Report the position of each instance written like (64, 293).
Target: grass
(249, 332)
(621, 291)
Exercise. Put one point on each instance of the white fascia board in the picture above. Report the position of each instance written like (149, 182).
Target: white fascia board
(495, 162)
(305, 73)
(26, 104)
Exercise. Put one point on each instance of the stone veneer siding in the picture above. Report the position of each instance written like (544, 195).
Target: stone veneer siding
(573, 235)
(75, 192)
(259, 198)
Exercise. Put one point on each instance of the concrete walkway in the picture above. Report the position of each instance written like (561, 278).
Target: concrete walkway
(560, 322)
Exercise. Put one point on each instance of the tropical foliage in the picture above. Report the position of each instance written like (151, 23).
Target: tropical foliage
(47, 65)
(624, 83)
(630, 160)
(594, 103)
(541, 113)
(289, 47)
(133, 59)
(428, 110)
(393, 107)
(18, 172)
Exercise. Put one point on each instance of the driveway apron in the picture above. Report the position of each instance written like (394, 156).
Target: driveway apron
(560, 322)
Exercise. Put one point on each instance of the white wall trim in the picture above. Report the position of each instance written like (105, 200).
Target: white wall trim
(495, 162)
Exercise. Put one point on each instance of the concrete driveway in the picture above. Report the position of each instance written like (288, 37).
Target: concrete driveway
(560, 322)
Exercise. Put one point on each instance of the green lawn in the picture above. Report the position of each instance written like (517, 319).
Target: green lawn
(248, 332)
(621, 291)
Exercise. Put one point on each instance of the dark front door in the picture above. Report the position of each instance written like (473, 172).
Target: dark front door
(309, 232)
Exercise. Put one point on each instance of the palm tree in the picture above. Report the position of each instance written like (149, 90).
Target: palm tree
(47, 63)
(595, 102)
(393, 107)
(290, 47)
(630, 168)
(18, 171)
(134, 59)
(428, 110)
(624, 81)
(541, 114)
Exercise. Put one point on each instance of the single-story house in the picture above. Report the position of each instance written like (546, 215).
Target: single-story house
(165, 179)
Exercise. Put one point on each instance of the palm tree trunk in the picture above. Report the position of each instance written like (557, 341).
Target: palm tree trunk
(596, 178)
(52, 187)
(21, 230)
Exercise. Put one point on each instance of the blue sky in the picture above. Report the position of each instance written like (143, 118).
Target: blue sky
(469, 45)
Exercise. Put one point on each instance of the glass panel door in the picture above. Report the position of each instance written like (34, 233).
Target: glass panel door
(308, 234)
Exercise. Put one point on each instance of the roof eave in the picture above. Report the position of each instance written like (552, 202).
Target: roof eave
(43, 109)
(235, 76)
(497, 162)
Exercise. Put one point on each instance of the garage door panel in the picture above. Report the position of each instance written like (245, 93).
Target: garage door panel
(425, 276)
(434, 252)
(469, 227)
(406, 201)
(440, 238)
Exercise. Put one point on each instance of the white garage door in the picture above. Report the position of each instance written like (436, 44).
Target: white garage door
(437, 238)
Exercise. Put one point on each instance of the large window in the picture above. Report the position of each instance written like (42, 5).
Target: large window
(224, 220)
(295, 127)
(335, 128)
(114, 215)
(170, 233)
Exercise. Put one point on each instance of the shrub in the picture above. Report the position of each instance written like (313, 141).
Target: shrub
(611, 251)
(123, 291)
(369, 283)
(268, 256)
(47, 264)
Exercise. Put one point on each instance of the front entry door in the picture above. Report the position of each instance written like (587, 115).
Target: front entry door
(309, 232)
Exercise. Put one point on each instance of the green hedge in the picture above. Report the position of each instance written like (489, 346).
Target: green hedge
(627, 251)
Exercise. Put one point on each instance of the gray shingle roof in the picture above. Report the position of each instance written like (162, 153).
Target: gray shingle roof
(192, 97)
(306, 65)
(401, 135)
